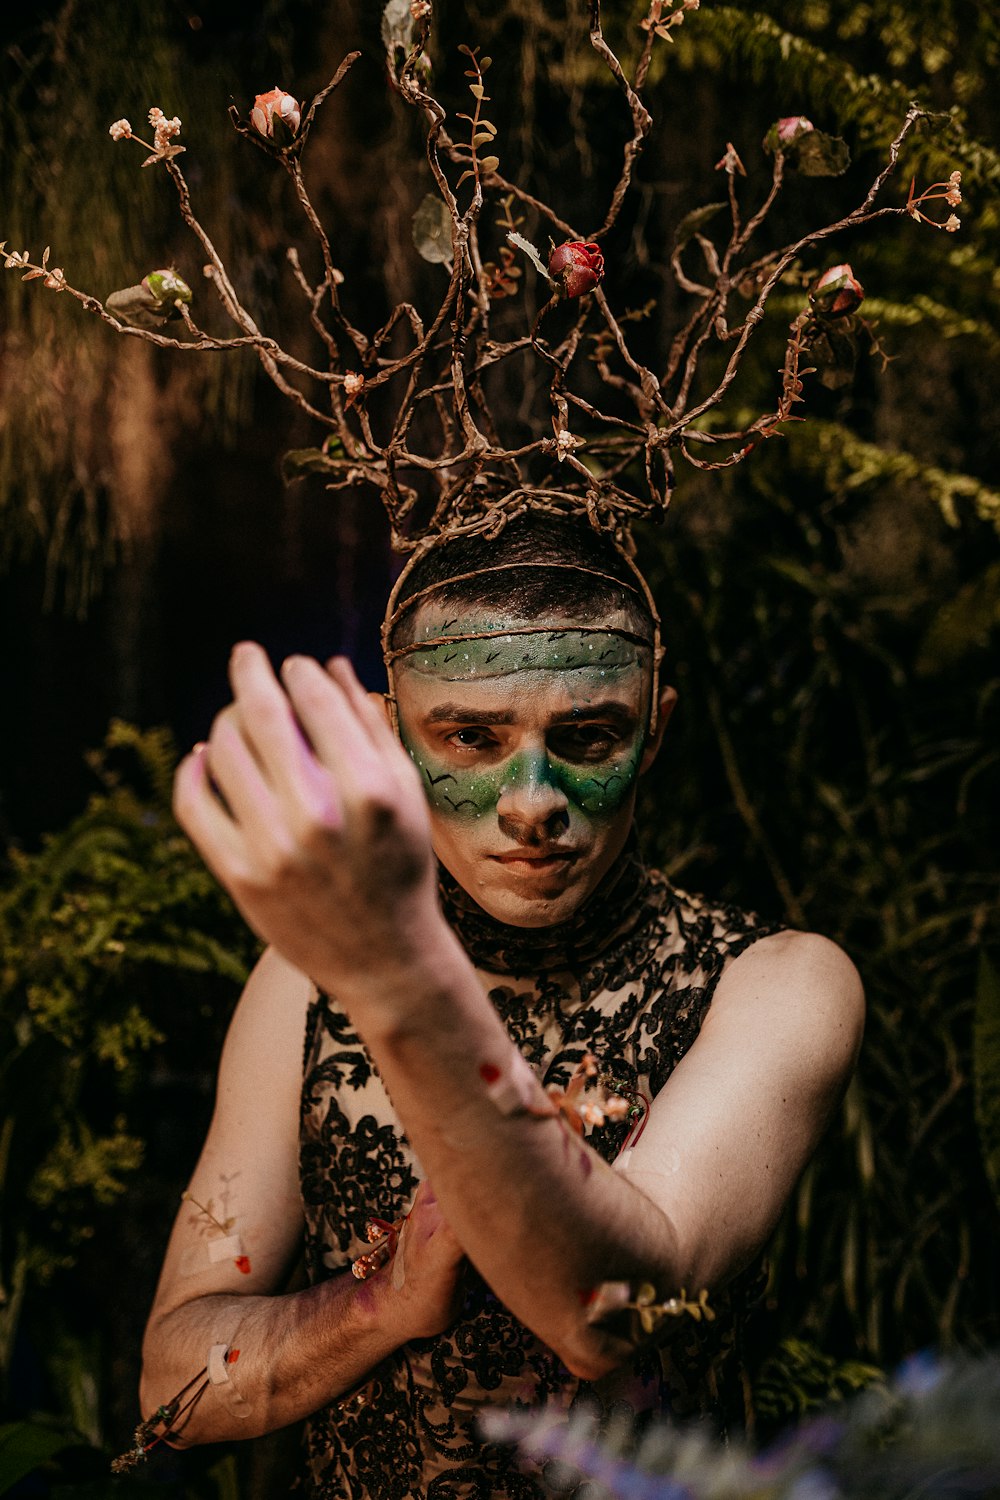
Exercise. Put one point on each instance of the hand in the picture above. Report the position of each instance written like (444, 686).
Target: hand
(311, 814)
(421, 1285)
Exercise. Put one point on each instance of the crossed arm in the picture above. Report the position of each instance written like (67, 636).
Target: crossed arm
(323, 843)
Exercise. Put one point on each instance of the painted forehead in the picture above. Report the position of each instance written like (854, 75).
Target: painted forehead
(485, 644)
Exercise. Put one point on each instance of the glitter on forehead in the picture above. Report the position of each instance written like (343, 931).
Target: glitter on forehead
(562, 649)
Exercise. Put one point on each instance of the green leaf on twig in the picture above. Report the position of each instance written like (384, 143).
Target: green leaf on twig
(432, 231)
(820, 155)
(694, 222)
(397, 26)
(299, 461)
(521, 243)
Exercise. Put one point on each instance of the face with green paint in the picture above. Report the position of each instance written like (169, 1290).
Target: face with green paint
(529, 747)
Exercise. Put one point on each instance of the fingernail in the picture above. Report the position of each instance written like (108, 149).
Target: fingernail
(199, 747)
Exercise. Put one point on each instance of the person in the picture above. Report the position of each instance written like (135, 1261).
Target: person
(457, 921)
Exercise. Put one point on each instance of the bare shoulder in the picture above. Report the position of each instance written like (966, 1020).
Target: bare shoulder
(794, 991)
(745, 1108)
(239, 1226)
(268, 1024)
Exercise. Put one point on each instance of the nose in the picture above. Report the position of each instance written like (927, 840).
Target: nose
(531, 807)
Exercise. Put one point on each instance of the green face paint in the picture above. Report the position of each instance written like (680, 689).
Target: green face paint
(502, 650)
(597, 789)
(529, 747)
(570, 729)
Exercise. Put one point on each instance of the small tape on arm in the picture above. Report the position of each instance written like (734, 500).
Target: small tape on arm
(513, 1088)
(221, 1364)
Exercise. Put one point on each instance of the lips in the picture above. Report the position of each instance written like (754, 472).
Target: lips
(535, 861)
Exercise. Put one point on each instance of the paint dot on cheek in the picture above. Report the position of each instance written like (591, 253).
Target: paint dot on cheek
(489, 1072)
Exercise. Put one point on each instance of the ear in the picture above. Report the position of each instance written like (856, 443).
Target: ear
(664, 708)
(381, 702)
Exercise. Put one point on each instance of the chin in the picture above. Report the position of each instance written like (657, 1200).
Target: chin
(528, 911)
(533, 901)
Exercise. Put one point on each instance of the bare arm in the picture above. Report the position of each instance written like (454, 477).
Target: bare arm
(280, 1356)
(324, 845)
(545, 1219)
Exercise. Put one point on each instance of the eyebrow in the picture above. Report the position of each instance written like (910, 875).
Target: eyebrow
(622, 714)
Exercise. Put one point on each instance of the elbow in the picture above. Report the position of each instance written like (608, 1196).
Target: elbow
(590, 1353)
(153, 1394)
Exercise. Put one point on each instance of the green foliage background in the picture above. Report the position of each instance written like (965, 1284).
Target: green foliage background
(831, 613)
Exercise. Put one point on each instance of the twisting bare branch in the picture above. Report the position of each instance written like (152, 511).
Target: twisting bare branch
(642, 120)
(455, 469)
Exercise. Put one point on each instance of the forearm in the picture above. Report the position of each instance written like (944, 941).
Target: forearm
(543, 1218)
(295, 1354)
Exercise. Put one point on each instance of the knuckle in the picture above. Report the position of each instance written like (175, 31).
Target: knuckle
(225, 726)
(275, 863)
(377, 807)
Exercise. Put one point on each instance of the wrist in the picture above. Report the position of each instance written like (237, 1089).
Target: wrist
(404, 984)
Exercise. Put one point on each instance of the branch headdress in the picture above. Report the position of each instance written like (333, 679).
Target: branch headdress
(406, 409)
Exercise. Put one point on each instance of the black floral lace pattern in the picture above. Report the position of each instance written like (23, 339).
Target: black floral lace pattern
(629, 979)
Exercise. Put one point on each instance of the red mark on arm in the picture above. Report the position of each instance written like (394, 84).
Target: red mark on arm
(232, 1356)
(242, 1263)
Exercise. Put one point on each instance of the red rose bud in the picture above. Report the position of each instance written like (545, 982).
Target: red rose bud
(577, 267)
(275, 114)
(837, 292)
(786, 132)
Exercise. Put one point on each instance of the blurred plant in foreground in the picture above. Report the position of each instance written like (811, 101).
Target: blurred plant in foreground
(932, 1431)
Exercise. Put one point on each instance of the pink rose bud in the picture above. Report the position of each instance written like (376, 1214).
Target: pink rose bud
(577, 267)
(275, 108)
(837, 292)
(791, 127)
(784, 133)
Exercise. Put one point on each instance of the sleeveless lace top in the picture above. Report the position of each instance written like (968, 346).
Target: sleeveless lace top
(630, 979)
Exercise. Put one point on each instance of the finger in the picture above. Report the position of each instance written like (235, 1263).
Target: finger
(202, 816)
(340, 738)
(237, 773)
(370, 710)
(275, 737)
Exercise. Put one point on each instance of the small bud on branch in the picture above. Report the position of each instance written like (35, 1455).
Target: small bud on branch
(577, 267)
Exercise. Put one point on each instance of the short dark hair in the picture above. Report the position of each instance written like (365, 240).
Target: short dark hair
(529, 591)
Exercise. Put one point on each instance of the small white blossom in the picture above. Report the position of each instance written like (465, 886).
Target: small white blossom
(164, 131)
(953, 223)
(354, 384)
(565, 443)
(121, 130)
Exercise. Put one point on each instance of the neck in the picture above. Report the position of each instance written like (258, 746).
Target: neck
(610, 911)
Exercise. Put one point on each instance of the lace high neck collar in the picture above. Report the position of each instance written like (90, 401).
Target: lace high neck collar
(612, 910)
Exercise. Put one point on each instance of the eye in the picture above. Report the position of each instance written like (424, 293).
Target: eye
(584, 742)
(471, 739)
